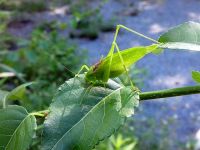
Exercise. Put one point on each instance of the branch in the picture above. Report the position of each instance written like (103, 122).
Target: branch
(188, 90)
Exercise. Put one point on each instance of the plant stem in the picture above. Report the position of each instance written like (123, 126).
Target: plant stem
(42, 113)
(188, 90)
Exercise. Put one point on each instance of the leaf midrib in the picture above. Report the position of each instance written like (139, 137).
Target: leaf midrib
(17, 130)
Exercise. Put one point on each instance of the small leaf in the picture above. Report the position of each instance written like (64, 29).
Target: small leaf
(18, 92)
(185, 36)
(196, 76)
(82, 115)
(17, 128)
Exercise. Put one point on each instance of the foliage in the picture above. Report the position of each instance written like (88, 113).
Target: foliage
(15, 94)
(118, 142)
(23, 5)
(84, 110)
(6, 40)
(45, 52)
(124, 138)
(52, 56)
(17, 128)
(89, 106)
(17, 125)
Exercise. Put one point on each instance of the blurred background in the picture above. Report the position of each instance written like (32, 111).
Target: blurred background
(48, 41)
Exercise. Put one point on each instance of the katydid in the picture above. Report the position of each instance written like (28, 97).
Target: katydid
(117, 63)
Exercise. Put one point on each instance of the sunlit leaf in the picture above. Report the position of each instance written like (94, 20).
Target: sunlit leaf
(17, 128)
(185, 36)
(82, 115)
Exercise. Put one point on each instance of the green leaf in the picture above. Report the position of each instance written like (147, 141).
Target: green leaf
(123, 143)
(17, 128)
(15, 94)
(82, 115)
(185, 36)
(196, 76)
(18, 92)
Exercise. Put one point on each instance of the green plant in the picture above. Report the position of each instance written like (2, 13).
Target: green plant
(7, 41)
(85, 17)
(118, 142)
(123, 139)
(17, 93)
(52, 56)
(87, 109)
(22, 121)
(23, 6)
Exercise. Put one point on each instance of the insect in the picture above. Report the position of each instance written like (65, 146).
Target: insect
(116, 63)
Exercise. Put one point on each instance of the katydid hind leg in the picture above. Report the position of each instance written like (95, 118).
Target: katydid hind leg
(137, 33)
(122, 62)
(106, 75)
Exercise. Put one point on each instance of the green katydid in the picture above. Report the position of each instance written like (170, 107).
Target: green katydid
(109, 66)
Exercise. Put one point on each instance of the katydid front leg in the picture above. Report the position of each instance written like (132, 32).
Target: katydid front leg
(82, 68)
(137, 33)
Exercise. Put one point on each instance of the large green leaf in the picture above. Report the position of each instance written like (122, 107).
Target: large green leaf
(82, 115)
(184, 36)
(196, 76)
(17, 128)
